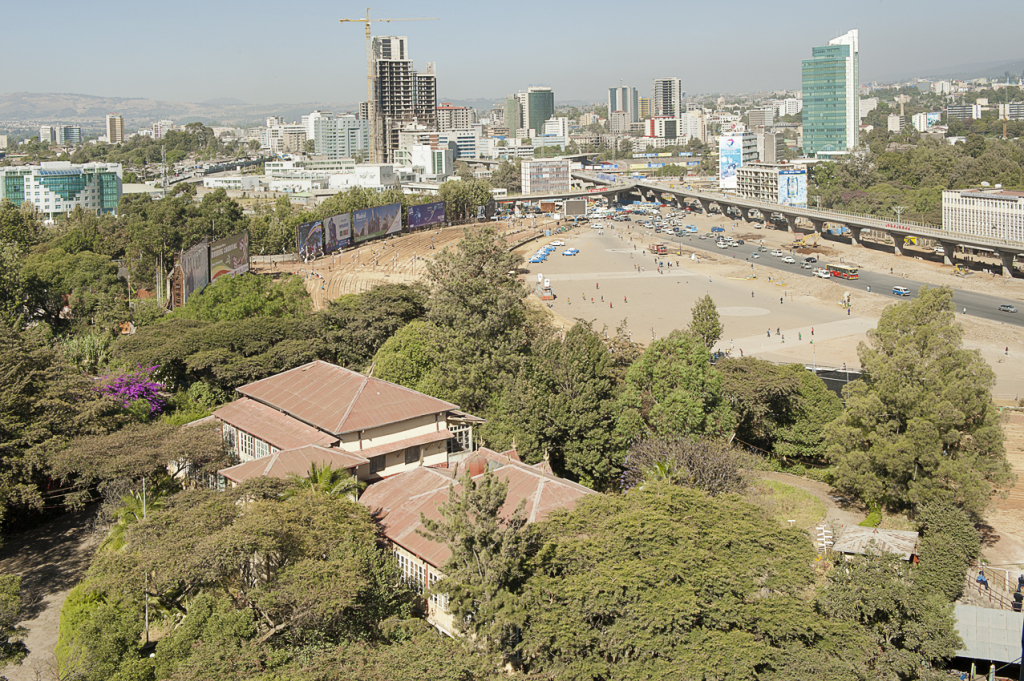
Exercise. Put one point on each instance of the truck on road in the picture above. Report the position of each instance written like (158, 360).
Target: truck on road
(658, 249)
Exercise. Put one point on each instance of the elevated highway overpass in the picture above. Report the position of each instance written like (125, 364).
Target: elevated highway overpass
(1004, 249)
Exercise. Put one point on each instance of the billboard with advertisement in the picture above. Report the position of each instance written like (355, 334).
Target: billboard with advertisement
(933, 118)
(195, 269)
(730, 158)
(337, 232)
(426, 214)
(371, 223)
(793, 188)
(229, 255)
(310, 238)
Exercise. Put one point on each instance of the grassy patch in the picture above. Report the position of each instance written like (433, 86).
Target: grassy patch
(786, 502)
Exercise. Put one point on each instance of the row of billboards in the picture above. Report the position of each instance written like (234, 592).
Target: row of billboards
(322, 237)
(206, 262)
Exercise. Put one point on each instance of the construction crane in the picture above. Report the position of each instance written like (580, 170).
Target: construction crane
(370, 109)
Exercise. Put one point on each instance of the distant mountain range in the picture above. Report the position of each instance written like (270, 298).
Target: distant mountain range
(89, 110)
(32, 108)
(991, 69)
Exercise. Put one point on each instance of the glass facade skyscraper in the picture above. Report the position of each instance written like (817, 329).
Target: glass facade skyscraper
(540, 106)
(831, 81)
(58, 187)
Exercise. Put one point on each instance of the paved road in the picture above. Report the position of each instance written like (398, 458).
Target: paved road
(977, 304)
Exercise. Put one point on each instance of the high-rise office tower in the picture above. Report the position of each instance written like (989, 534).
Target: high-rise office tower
(540, 106)
(645, 108)
(667, 97)
(831, 79)
(401, 95)
(513, 113)
(115, 128)
(626, 99)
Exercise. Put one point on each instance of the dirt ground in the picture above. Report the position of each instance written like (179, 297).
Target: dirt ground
(51, 559)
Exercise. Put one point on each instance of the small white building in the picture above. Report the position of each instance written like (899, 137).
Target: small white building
(546, 175)
(245, 183)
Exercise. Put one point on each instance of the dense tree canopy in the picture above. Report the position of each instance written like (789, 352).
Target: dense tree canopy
(673, 389)
(920, 427)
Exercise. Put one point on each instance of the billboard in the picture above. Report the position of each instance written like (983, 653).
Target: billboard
(793, 188)
(933, 118)
(574, 207)
(310, 238)
(371, 223)
(730, 158)
(229, 255)
(337, 232)
(426, 214)
(195, 269)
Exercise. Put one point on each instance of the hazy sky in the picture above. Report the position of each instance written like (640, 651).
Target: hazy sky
(263, 52)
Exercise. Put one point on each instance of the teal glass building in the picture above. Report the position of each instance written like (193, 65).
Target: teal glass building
(831, 101)
(58, 187)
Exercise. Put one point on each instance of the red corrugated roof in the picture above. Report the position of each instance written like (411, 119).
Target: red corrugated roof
(339, 400)
(297, 461)
(270, 425)
(399, 500)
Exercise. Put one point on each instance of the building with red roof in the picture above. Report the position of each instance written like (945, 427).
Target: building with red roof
(401, 501)
(319, 412)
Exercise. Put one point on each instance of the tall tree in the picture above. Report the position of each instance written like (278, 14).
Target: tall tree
(673, 389)
(920, 426)
(489, 547)
(564, 407)
(949, 545)
(705, 322)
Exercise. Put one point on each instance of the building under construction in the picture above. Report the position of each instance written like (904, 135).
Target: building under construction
(402, 96)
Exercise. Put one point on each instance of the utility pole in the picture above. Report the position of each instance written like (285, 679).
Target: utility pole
(899, 212)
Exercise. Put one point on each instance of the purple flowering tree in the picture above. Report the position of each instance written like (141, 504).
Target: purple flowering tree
(131, 386)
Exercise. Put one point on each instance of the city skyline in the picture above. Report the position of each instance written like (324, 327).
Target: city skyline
(199, 52)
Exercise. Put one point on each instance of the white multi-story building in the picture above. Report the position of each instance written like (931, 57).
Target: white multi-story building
(618, 122)
(782, 183)
(438, 162)
(450, 117)
(692, 125)
(161, 128)
(989, 213)
(341, 137)
(667, 97)
(546, 175)
(559, 127)
(58, 187)
(245, 183)
(896, 123)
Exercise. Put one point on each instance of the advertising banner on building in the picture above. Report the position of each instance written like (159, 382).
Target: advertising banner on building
(337, 232)
(793, 188)
(195, 269)
(933, 118)
(426, 214)
(371, 223)
(310, 238)
(229, 255)
(730, 158)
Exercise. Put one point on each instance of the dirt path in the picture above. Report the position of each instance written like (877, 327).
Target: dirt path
(50, 559)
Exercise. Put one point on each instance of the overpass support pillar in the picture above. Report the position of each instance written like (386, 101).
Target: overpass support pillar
(948, 251)
(705, 204)
(1007, 259)
(790, 223)
(897, 243)
(816, 225)
(745, 214)
(854, 235)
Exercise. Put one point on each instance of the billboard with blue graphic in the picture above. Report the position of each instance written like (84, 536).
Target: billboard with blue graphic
(426, 214)
(730, 158)
(337, 232)
(793, 188)
(377, 222)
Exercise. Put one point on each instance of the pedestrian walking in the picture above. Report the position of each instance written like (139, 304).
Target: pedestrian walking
(799, 336)
(812, 330)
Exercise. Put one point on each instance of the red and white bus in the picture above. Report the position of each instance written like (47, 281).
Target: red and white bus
(842, 271)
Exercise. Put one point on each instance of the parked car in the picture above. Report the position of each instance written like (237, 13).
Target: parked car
(557, 242)
(570, 251)
(1007, 308)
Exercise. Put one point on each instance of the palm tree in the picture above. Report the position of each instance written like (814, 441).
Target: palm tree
(132, 512)
(325, 480)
